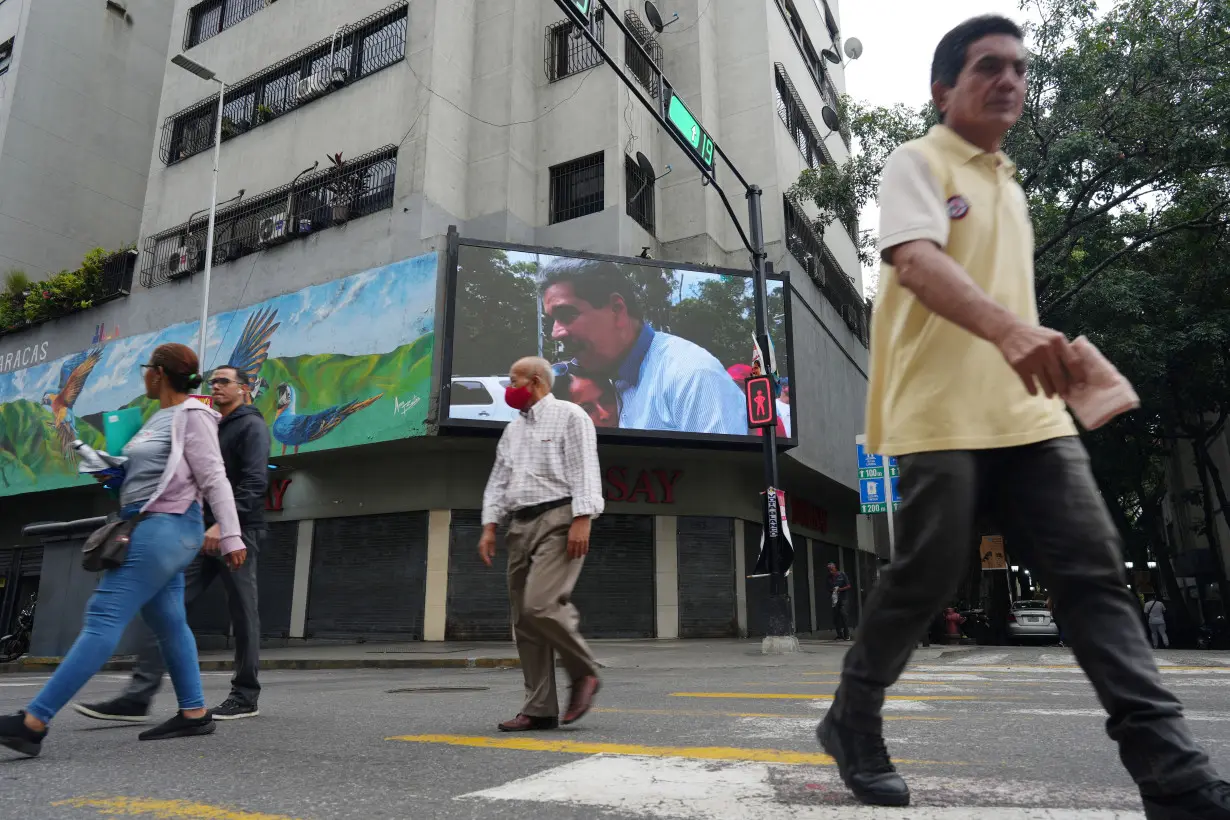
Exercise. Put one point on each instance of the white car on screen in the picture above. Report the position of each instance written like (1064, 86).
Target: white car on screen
(479, 398)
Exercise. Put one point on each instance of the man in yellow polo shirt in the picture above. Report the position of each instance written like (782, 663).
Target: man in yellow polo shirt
(966, 390)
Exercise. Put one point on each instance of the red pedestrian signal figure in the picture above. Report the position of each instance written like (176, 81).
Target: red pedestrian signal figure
(761, 409)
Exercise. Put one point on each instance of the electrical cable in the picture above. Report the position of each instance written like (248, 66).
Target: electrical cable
(238, 304)
(699, 17)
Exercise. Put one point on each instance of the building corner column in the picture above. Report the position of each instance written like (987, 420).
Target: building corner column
(435, 602)
(303, 578)
(666, 575)
(740, 577)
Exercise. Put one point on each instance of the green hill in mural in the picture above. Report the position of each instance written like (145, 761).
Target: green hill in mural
(30, 454)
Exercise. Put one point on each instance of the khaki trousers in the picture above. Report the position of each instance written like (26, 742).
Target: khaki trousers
(540, 581)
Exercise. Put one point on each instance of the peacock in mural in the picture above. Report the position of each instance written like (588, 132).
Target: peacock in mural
(253, 348)
(293, 430)
(73, 375)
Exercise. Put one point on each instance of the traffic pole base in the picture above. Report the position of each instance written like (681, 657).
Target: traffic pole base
(779, 645)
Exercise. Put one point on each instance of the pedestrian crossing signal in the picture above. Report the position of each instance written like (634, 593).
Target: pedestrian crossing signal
(761, 409)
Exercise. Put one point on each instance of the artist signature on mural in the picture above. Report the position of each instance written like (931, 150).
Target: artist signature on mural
(400, 408)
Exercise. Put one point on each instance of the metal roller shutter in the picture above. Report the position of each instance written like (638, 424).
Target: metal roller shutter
(478, 607)
(275, 577)
(31, 560)
(369, 577)
(616, 591)
(707, 604)
(802, 585)
(757, 588)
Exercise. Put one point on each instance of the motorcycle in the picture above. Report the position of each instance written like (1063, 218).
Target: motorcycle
(1213, 636)
(14, 646)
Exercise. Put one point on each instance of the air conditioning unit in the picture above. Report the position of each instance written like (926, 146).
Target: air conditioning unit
(183, 261)
(851, 316)
(312, 86)
(816, 271)
(275, 230)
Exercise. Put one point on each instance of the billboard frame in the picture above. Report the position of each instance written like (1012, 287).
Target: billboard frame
(716, 441)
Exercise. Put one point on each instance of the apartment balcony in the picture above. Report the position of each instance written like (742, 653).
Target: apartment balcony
(822, 268)
(100, 279)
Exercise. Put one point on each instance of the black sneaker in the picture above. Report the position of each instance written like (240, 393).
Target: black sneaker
(180, 726)
(1209, 802)
(20, 738)
(864, 765)
(234, 709)
(120, 709)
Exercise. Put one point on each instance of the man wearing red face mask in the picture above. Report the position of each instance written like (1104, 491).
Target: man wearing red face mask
(546, 485)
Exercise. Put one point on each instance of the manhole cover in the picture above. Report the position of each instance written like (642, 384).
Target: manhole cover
(415, 690)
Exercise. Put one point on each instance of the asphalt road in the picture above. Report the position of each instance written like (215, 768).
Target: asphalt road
(1010, 734)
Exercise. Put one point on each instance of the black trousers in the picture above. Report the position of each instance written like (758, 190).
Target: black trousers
(244, 605)
(840, 627)
(1048, 506)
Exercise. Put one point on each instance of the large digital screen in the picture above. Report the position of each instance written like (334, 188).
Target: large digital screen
(644, 347)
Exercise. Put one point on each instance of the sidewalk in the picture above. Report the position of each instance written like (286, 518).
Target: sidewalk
(618, 654)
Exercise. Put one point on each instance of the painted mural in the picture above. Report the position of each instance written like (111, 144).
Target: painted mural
(334, 365)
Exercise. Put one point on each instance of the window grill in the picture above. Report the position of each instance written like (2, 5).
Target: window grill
(568, 52)
(315, 202)
(815, 63)
(212, 17)
(822, 268)
(648, 72)
(357, 51)
(6, 54)
(577, 188)
(799, 123)
(640, 194)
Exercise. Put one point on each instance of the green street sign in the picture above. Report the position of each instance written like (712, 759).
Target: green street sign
(678, 115)
(582, 6)
(894, 472)
(870, 509)
(871, 472)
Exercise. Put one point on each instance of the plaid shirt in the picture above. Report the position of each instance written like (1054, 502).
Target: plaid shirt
(547, 453)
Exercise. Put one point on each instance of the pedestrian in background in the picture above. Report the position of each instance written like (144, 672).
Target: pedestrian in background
(1155, 611)
(839, 589)
(546, 485)
(243, 438)
(966, 391)
(173, 464)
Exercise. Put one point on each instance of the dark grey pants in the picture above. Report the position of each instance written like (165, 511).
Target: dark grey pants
(242, 599)
(1049, 508)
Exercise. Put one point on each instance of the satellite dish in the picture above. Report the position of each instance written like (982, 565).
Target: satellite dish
(647, 169)
(830, 118)
(655, 17)
(854, 48)
(830, 55)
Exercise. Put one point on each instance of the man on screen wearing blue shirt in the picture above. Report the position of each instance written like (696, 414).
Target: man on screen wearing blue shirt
(664, 382)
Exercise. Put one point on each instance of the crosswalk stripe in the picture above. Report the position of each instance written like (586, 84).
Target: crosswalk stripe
(163, 809)
(781, 696)
(709, 713)
(701, 790)
(580, 747)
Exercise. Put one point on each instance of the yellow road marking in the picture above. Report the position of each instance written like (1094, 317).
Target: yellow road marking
(163, 809)
(634, 749)
(708, 713)
(779, 696)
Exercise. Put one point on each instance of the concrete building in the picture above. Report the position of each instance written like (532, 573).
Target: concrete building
(493, 116)
(79, 97)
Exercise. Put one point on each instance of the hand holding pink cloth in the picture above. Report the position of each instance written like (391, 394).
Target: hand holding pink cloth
(1105, 393)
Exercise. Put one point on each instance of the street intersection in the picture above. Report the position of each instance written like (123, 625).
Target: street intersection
(1007, 733)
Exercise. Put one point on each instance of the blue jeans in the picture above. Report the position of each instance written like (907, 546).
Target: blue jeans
(151, 582)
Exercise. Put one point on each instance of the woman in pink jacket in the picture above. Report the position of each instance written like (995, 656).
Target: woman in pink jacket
(173, 464)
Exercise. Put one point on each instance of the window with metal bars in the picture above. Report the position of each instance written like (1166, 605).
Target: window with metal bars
(640, 194)
(6, 54)
(577, 188)
(646, 71)
(213, 17)
(354, 52)
(314, 202)
(568, 52)
(811, 56)
(798, 122)
(822, 268)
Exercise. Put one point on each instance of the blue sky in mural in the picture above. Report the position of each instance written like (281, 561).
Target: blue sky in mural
(371, 312)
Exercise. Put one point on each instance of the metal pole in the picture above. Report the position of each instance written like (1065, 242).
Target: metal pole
(209, 236)
(892, 541)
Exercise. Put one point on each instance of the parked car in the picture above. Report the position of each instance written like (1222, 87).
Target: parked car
(479, 398)
(1031, 621)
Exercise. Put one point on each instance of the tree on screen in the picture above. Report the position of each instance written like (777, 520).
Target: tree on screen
(496, 314)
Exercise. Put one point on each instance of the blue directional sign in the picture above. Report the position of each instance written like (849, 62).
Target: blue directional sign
(877, 478)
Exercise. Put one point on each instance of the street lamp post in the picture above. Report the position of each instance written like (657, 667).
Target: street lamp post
(204, 73)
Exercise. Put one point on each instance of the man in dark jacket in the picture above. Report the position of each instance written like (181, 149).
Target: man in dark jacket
(244, 439)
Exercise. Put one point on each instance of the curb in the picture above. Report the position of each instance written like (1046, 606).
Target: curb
(305, 664)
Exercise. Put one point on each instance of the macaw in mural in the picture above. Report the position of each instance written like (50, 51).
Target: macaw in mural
(73, 374)
(293, 430)
(253, 348)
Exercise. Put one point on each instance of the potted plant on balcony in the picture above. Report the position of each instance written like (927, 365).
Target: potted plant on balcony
(264, 114)
(13, 301)
(229, 128)
(345, 186)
